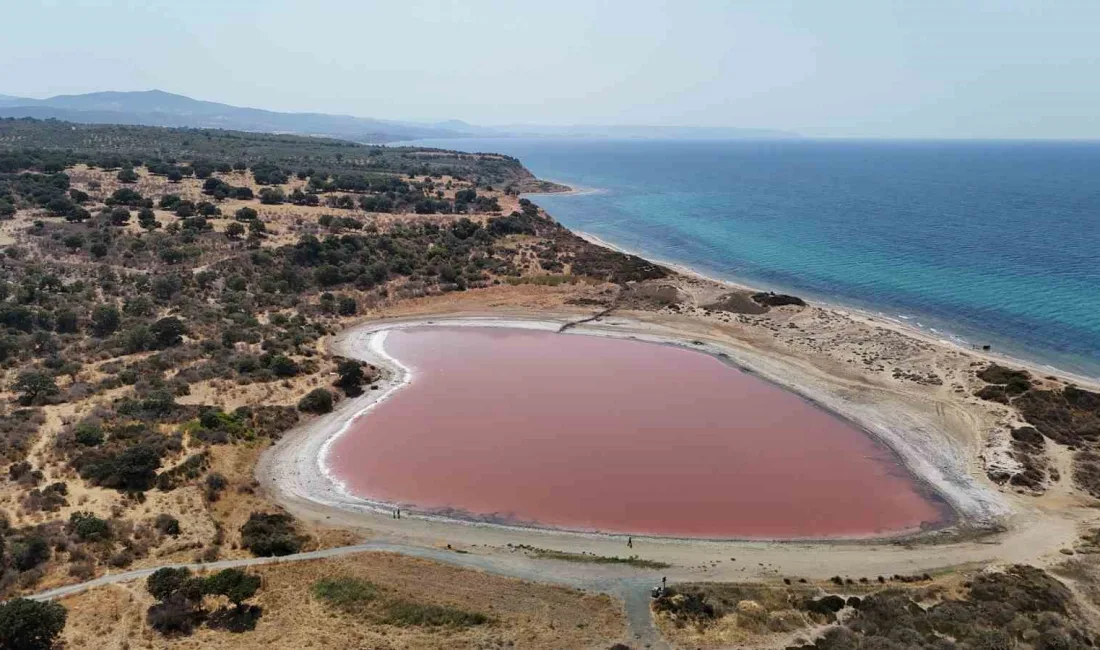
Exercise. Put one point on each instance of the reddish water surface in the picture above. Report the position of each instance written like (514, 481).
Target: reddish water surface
(615, 435)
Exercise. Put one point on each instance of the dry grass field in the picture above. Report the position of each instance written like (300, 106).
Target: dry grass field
(521, 614)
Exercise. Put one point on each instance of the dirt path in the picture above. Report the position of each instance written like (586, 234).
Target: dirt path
(632, 587)
(591, 319)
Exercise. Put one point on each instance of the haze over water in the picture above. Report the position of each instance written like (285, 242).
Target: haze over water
(592, 433)
(994, 242)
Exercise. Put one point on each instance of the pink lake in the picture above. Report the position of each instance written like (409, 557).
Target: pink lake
(614, 435)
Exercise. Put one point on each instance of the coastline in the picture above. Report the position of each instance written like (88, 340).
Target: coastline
(877, 319)
(867, 313)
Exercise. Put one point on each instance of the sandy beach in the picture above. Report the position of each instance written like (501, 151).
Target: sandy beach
(874, 318)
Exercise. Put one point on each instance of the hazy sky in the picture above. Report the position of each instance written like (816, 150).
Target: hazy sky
(916, 68)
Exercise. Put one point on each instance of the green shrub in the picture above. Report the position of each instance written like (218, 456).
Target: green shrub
(30, 625)
(89, 435)
(270, 534)
(167, 583)
(89, 528)
(28, 553)
(167, 524)
(234, 584)
(317, 400)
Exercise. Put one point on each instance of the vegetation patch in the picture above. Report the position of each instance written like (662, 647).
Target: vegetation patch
(772, 299)
(737, 303)
(30, 625)
(347, 594)
(362, 598)
(405, 613)
(1069, 416)
(180, 596)
(1020, 607)
(270, 534)
(1029, 450)
(589, 558)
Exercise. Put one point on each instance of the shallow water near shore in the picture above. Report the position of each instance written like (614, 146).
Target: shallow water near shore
(612, 435)
(985, 242)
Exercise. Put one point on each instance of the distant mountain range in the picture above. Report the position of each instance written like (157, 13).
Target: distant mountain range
(159, 108)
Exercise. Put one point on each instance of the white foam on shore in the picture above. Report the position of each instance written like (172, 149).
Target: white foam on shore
(376, 343)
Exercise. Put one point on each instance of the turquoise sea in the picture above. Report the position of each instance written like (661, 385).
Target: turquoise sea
(986, 242)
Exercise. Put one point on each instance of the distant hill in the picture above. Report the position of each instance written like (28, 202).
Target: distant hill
(8, 100)
(159, 108)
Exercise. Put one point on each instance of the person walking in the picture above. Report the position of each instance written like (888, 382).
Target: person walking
(630, 542)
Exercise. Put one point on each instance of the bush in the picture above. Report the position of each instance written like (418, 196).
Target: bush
(88, 528)
(105, 320)
(240, 618)
(234, 584)
(245, 214)
(283, 366)
(317, 401)
(132, 469)
(167, 525)
(346, 306)
(167, 583)
(272, 196)
(34, 386)
(351, 377)
(30, 625)
(174, 617)
(168, 332)
(28, 553)
(119, 216)
(270, 534)
(214, 485)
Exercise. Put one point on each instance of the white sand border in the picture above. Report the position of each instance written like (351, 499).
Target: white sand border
(296, 467)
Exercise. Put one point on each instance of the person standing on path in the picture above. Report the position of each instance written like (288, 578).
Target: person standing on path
(630, 542)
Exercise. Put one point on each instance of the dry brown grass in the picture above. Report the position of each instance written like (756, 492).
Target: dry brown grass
(524, 615)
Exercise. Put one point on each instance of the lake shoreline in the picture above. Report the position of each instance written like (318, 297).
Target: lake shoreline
(302, 470)
(940, 514)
